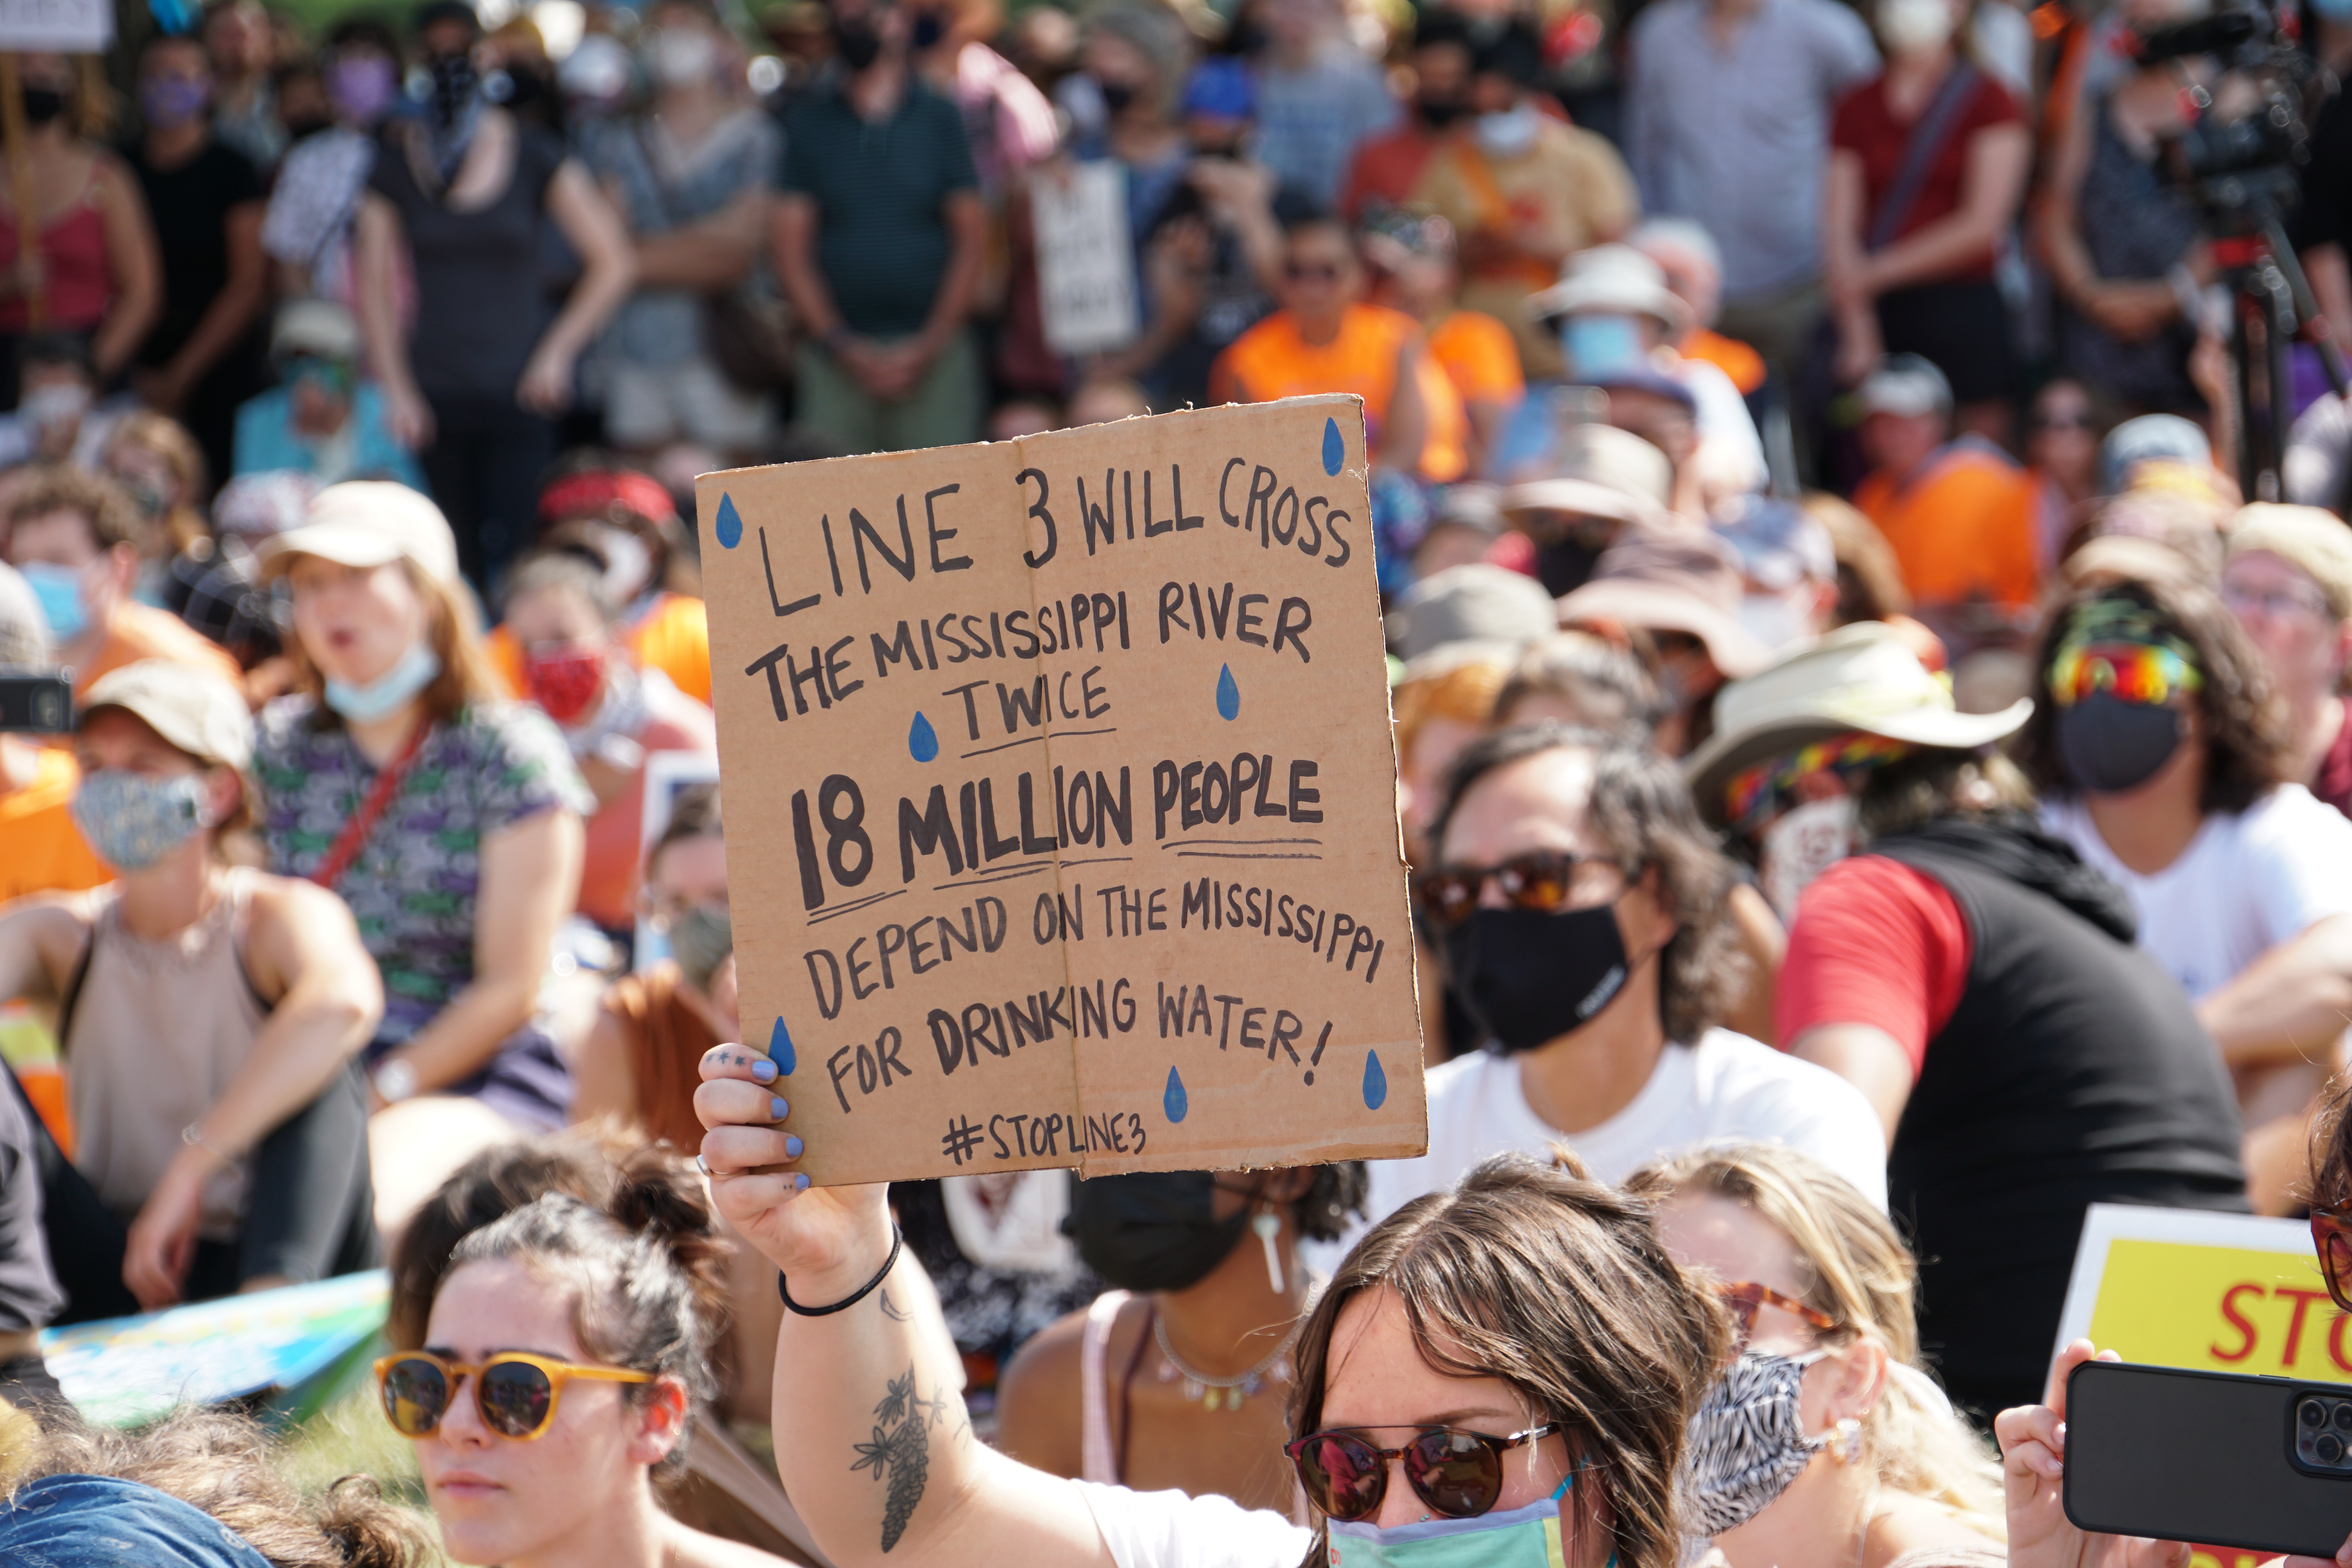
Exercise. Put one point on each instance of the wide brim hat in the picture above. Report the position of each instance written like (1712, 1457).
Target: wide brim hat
(1861, 678)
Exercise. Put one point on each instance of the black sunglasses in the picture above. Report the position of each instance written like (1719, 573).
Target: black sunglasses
(1458, 1474)
(1546, 881)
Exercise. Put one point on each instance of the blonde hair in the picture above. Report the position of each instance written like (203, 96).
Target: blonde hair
(453, 626)
(1466, 693)
(1857, 1271)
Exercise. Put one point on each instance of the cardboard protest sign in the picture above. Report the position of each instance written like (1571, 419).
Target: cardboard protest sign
(73, 26)
(2215, 1292)
(1086, 264)
(1060, 796)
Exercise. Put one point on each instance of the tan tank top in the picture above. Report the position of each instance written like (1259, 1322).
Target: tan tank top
(157, 1028)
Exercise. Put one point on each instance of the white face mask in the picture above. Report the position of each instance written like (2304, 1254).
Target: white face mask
(1510, 133)
(685, 58)
(1914, 27)
(1777, 619)
(1801, 845)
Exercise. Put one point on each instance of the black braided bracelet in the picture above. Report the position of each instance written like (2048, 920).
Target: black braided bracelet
(897, 1240)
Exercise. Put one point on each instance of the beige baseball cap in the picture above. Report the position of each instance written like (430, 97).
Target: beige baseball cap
(192, 709)
(369, 522)
(2314, 542)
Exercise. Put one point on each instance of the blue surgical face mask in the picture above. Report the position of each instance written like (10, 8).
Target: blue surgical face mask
(58, 589)
(1601, 344)
(133, 820)
(1529, 1537)
(388, 693)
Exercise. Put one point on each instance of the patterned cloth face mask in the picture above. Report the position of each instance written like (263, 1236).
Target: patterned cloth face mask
(132, 820)
(1747, 1442)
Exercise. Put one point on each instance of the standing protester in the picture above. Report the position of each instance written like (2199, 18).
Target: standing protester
(1727, 106)
(878, 236)
(689, 177)
(92, 261)
(1318, 97)
(1178, 1375)
(210, 1016)
(240, 46)
(1927, 166)
(40, 848)
(474, 386)
(448, 820)
(1386, 166)
(2289, 582)
(1976, 982)
(307, 229)
(206, 355)
(2162, 756)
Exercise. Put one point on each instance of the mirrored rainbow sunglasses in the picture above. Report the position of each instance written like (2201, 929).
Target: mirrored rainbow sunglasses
(2130, 672)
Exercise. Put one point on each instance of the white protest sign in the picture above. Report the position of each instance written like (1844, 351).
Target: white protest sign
(1086, 264)
(70, 26)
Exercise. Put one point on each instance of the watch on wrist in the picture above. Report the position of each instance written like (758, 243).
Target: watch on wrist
(394, 1081)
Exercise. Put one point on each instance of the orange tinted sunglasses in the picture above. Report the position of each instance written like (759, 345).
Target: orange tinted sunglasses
(515, 1391)
(1746, 1299)
(2331, 1238)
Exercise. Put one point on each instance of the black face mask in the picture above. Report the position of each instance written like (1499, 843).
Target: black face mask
(1153, 1231)
(1437, 113)
(454, 81)
(42, 104)
(1116, 95)
(300, 127)
(1528, 977)
(2111, 746)
(930, 29)
(857, 43)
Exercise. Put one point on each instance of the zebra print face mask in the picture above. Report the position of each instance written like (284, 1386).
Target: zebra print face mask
(1747, 1443)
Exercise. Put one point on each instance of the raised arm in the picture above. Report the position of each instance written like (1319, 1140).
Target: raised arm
(883, 1465)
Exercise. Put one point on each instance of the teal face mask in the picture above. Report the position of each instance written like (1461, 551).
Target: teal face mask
(388, 693)
(1528, 1537)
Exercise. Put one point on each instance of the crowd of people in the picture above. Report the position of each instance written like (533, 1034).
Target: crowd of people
(1873, 783)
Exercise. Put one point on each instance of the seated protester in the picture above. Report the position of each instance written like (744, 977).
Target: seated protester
(209, 1017)
(1546, 1434)
(2160, 750)
(1788, 567)
(1812, 1272)
(1211, 1312)
(1466, 528)
(77, 539)
(1683, 593)
(1411, 258)
(630, 524)
(200, 1489)
(1326, 339)
(613, 715)
(41, 850)
(2289, 582)
(1976, 982)
(1461, 630)
(1524, 190)
(160, 467)
(640, 1062)
(600, 1324)
(219, 587)
(59, 417)
(1580, 907)
(449, 821)
(1954, 512)
(1583, 485)
(323, 419)
(1693, 267)
(30, 1296)
(1582, 681)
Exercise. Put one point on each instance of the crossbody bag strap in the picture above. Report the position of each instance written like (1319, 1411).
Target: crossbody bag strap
(353, 838)
(1922, 151)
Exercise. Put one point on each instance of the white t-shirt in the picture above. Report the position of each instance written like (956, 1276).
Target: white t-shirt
(1171, 1530)
(1727, 1087)
(2248, 881)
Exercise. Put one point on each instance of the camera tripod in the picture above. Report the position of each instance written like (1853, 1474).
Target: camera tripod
(2272, 306)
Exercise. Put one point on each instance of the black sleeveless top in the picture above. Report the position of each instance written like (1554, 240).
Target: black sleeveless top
(2072, 1072)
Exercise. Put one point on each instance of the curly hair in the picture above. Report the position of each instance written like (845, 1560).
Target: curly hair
(1641, 809)
(2247, 749)
(51, 488)
(1559, 1286)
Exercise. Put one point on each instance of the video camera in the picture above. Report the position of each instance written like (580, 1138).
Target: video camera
(2239, 158)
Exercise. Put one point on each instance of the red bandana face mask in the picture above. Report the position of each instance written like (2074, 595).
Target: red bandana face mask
(565, 682)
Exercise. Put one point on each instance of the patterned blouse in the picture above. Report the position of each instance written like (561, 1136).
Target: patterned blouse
(412, 885)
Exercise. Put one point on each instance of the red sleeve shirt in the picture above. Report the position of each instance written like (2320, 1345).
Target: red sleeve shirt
(1874, 942)
(1863, 124)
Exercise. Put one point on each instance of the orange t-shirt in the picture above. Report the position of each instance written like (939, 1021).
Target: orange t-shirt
(1960, 528)
(1271, 361)
(1735, 359)
(41, 850)
(141, 631)
(673, 636)
(1479, 357)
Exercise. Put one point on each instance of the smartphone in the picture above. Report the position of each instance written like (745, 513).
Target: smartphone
(2263, 1463)
(38, 704)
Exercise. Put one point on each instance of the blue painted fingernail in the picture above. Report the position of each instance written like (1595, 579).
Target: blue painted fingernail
(763, 1070)
(791, 1148)
(800, 1184)
(777, 1109)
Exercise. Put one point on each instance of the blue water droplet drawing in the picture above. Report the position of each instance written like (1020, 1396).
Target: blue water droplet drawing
(730, 527)
(1376, 1082)
(1335, 450)
(1173, 1101)
(1229, 694)
(922, 741)
(780, 1050)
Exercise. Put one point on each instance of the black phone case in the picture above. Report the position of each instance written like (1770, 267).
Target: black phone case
(2201, 1456)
